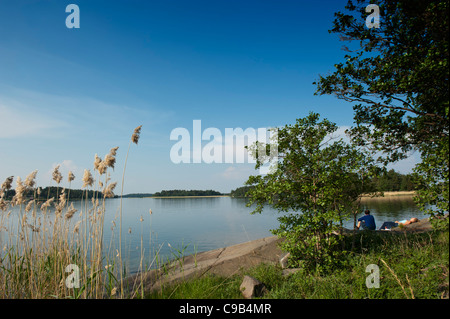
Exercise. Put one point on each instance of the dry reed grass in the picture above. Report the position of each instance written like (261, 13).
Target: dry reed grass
(48, 235)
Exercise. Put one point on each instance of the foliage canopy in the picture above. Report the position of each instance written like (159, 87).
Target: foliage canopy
(398, 79)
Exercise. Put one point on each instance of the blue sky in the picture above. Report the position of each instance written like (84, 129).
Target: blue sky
(67, 94)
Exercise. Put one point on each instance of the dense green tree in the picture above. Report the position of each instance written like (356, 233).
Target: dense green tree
(240, 191)
(398, 79)
(315, 182)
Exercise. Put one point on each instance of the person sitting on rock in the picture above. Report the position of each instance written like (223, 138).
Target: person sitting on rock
(367, 221)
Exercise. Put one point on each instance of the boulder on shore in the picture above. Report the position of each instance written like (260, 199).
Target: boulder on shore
(251, 288)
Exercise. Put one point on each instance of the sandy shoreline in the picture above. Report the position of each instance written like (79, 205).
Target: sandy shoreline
(206, 196)
(393, 194)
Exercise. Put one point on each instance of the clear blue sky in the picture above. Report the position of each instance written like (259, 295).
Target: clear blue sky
(67, 94)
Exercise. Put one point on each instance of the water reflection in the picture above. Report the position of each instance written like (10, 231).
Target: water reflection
(392, 208)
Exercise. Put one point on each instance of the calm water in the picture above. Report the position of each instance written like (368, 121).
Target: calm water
(199, 224)
(203, 224)
(188, 224)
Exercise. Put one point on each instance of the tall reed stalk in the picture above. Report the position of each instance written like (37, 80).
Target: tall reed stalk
(134, 139)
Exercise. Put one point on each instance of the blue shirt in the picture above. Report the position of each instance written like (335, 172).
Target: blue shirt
(368, 222)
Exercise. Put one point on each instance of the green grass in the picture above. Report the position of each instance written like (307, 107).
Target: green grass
(206, 287)
(412, 266)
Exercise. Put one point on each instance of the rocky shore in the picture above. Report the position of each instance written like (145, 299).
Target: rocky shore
(223, 261)
(232, 260)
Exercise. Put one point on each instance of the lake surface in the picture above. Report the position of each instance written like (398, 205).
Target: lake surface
(203, 224)
(193, 225)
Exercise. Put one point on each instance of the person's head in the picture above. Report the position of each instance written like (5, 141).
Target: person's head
(414, 220)
(367, 212)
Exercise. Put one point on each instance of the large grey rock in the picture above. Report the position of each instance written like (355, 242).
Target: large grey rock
(284, 260)
(252, 288)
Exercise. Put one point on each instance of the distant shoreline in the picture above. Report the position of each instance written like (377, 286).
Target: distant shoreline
(392, 194)
(387, 194)
(400, 193)
(188, 196)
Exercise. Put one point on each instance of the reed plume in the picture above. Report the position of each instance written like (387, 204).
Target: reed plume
(30, 180)
(47, 203)
(61, 204)
(56, 175)
(110, 159)
(136, 134)
(102, 167)
(87, 178)
(113, 151)
(20, 190)
(70, 212)
(76, 228)
(108, 191)
(33, 228)
(29, 205)
(7, 184)
(3, 204)
(70, 177)
(97, 161)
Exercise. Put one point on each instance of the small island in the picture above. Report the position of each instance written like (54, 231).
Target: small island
(188, 193)
(177, 193)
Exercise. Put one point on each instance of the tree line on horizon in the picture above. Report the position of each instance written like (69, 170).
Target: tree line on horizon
(180, 192)
(77, 194)
(53, 191)
(390, 181)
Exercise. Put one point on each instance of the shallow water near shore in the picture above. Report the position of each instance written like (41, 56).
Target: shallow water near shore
(182, 226)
